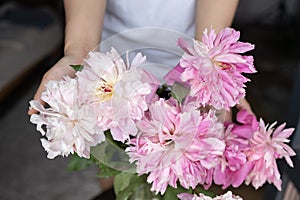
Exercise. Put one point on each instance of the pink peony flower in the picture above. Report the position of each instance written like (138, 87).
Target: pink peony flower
(234, 166)
(174, 76)
(176, 144)
(119, 92)
(266, 146)
(227, 196)
(251, 152)
(213, 68)
(70, 126)
(248, 124)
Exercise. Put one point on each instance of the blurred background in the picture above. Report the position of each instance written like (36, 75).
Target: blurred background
(31, 41)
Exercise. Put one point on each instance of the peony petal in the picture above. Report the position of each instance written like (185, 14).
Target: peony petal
(174, 75)
(240, 47)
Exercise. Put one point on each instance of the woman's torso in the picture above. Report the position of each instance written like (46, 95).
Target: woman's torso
(151, 27)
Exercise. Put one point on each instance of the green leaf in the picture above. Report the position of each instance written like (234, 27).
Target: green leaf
(77, 67)
(124, 185)
(106, 171)
(131, 186)
(116, 143)
(122, 181)
(199, 189)
(171, 193)
(78, 163)
(179, 92)
(112, 154)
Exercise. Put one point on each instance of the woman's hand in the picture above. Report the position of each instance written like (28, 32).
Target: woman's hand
(60, 69)
(242, 105)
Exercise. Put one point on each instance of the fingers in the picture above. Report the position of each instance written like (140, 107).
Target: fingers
(244, 104)
(60, 69)
(228, 116)
(37, 96)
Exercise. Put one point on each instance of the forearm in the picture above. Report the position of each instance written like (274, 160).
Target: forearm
(84, 20)
(217, 14)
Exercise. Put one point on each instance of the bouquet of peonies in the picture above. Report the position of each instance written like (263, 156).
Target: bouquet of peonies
(169, 145)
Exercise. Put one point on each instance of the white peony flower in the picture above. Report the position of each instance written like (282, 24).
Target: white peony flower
(69, 126)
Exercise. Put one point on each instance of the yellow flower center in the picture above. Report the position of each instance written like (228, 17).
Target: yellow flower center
(223, 66)
(104, 91)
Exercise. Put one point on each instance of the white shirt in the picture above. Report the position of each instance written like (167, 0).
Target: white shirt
(149, 26)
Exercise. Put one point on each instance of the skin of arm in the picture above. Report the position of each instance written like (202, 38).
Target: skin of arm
(84, 20)
(217, 14)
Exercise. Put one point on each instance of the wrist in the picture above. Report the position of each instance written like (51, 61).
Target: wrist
(76, 51)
